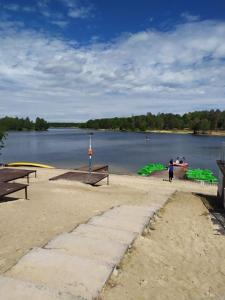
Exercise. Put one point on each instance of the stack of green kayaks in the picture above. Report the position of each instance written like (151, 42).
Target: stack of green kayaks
(148, 169)
(201, 175)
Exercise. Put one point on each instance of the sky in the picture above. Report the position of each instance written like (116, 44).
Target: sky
(74, 60)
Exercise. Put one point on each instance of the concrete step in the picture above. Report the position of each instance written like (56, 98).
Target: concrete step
(134, 210)
(101, 250)
(13, 289)
(125, 217)
(78, 276)
(100, 233)
(120, 222)
(79, 263)
(129, 214)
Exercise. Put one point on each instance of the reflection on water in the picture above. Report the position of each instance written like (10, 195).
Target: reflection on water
(123, 151)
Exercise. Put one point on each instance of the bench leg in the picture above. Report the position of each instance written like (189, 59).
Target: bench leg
(26, 192)
(108, 180)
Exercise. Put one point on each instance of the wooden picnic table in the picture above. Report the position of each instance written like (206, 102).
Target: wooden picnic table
(7, 188)
(85, 177)
(8, 174)
(94, 168)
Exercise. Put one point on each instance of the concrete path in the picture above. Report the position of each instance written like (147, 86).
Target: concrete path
(11, 289)
(76, 265)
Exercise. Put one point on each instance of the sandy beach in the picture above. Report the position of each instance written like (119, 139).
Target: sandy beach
(57, 207)
(180, 257)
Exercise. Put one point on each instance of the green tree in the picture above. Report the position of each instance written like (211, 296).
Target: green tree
(159, 122)
(195, 125)
(41, 124)
(197, 121)
(2, 137)
(204, 125)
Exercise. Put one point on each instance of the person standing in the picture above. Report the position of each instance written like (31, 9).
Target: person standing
(171, 168)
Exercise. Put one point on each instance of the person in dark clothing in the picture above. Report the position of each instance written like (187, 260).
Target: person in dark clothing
(170, 168)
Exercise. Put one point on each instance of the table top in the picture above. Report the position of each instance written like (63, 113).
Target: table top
(12, 174)
(8, 188)
(91, 178)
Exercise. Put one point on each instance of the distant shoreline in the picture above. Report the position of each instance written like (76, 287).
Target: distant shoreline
(207, 133)
(171, 131)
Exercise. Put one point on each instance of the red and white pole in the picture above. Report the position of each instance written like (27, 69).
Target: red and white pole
(90, 152)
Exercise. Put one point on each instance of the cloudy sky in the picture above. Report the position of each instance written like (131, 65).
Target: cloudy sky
(72, 60)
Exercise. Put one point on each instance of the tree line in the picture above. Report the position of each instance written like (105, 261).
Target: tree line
(63, 124)
(197, 121)
(19, 124)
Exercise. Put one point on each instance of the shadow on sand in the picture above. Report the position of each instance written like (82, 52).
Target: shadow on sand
(216, 211)
(8, 199)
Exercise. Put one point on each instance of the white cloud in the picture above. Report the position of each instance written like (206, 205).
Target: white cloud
(77, 10)
(82, 12)
(17, 8)
(59, 23)
(173, 71)
(43, 3)
(40, 7)
(13, 7)
(71, 10)
(190, 18)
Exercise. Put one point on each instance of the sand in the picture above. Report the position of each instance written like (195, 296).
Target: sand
(55, 207)
(182, 257)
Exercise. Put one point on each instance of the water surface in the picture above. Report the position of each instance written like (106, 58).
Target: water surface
(123, 151)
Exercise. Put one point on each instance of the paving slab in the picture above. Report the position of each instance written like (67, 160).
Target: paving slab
(120, 222)
(144, 211)
(77, 264)
(13, 289)
(130, 213)
(104, 233)
(101, 250)
(78, 276)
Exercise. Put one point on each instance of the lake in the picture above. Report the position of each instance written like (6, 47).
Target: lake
(124, 152)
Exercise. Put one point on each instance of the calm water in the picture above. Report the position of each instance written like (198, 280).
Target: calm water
(124, 152)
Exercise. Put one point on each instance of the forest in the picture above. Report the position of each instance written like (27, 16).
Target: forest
(197, 121)
(19, 124)
(63, 124)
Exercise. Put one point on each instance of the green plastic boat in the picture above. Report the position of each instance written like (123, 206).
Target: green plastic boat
(150, 168)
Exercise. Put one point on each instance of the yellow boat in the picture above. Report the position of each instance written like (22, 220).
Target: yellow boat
(28, 164)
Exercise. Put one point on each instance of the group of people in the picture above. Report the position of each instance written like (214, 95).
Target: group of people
(171, 166)
(179, 160)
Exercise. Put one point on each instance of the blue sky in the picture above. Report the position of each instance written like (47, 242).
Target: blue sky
(71, 60)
